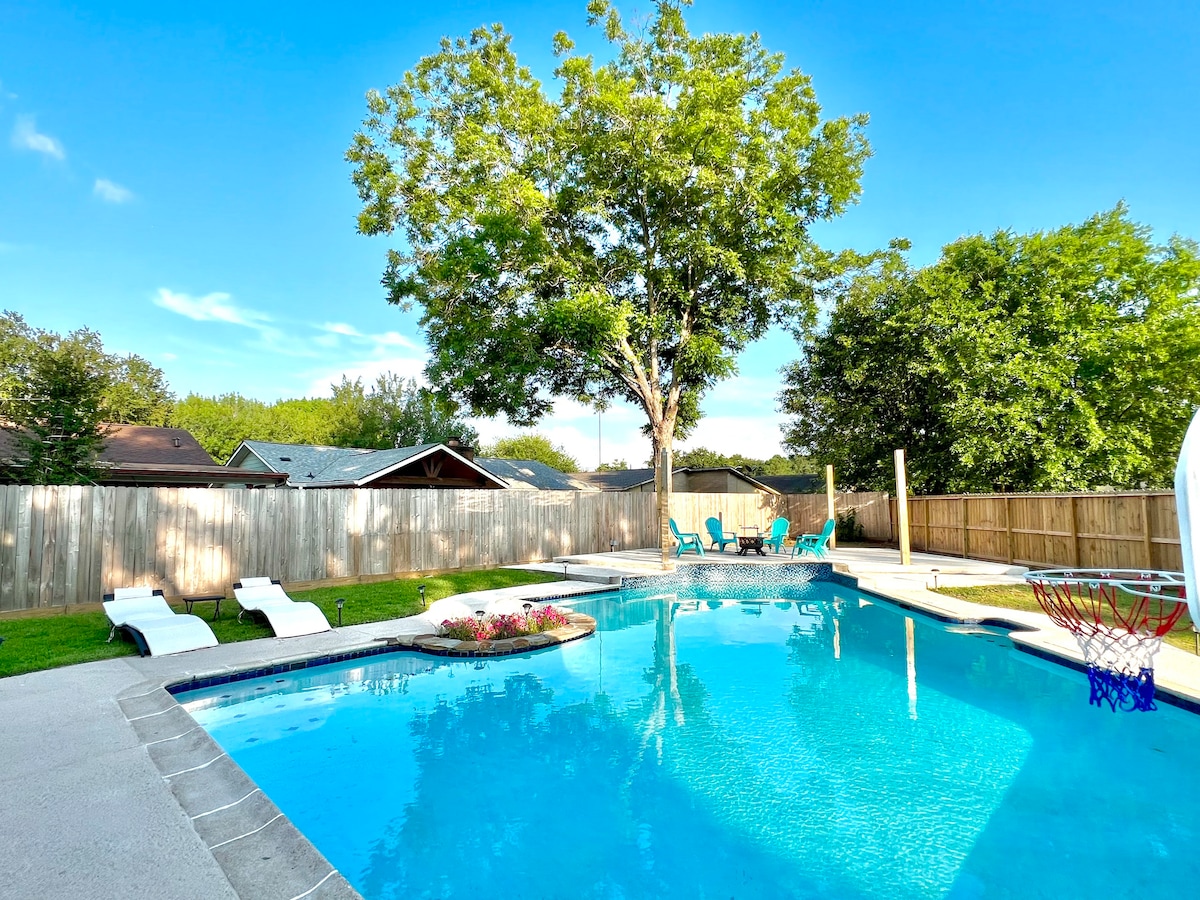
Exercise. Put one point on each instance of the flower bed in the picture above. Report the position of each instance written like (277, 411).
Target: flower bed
(501, 635)
(509, 625)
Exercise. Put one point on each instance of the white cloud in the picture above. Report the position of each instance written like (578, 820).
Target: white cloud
(111, 192)
(25, 136)
(369, 370)
(341, 328)
(215, 307)
(382, 344)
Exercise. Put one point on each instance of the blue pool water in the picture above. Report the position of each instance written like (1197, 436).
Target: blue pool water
(818, 743)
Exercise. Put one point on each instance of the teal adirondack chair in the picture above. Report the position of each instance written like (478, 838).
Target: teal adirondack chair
(719, 536)
(688, 540)
(816, 544)
(779, 530)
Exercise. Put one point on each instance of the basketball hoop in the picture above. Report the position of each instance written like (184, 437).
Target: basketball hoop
(1119, 617)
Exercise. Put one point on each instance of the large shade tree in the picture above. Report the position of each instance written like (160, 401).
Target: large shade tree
(625, 239)
(1059, 360)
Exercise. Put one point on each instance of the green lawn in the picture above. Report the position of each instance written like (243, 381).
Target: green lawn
(1020, 596)
(46, 642)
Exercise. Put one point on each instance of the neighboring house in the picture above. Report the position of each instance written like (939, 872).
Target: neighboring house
(424, 466)
(147, 456)
(715, 480)
(531, 475)
(795, 484)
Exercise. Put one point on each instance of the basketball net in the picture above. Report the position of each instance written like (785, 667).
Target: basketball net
(1118, 619)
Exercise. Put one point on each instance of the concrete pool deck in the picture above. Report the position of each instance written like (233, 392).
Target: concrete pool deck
(111, 790)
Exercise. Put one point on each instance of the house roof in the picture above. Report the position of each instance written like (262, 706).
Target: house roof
(627, 479)
(531, 474)
(620, 480)
(159, 446)
(317, 466)
(147, 455)
(125, 444)
(794, 484)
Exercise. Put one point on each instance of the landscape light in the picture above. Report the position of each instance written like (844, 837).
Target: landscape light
(341, 601)
(421, 590)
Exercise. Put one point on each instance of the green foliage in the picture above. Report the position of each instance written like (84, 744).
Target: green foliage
(55, 391)
(532, 446)
(778, 464)
(848, 528)
(1062, 360)
(56, 425)
(626, 239)
(619, 465)
(131, 390)
(392, 413)
(396, 413)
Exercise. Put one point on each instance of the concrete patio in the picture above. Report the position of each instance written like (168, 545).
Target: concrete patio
(112, 790)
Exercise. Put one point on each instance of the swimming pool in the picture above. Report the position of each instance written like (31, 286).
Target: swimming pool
(725, 741)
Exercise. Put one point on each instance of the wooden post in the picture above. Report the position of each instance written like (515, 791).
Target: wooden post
(1074, 533)
(902, 509)
(664, 506)
(830, 505)
(1012, 552)
(1148, 538)
(966, 544)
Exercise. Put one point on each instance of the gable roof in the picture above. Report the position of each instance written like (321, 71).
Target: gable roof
(531, 474)
(309, 465)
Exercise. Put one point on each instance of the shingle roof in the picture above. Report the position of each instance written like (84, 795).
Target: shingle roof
(317, 466)
(620, 480)
(794, 484)
(529, 473)
(138, 444)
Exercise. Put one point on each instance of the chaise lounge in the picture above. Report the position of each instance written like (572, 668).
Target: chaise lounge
(156, 629)
(286, 617)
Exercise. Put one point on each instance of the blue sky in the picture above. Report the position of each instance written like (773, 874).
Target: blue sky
(171, 175)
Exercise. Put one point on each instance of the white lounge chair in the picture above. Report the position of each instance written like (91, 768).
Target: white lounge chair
(286, 617)
(156, 629)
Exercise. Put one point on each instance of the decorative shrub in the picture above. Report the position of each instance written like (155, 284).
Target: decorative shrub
(848, 527)
(508, 625)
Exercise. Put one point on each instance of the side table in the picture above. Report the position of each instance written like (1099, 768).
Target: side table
(206, 598)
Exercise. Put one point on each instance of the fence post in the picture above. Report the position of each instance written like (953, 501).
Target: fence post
(1074, 533)
(1148, 541)
(830, 505)
(1008, 527)
(965, 541)
(902, 509)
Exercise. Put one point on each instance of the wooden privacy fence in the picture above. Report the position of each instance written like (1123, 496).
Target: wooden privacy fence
(61, 546)
(1132, 530)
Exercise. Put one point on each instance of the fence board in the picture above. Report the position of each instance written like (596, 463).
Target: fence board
(65, 546)
(1129, 530)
